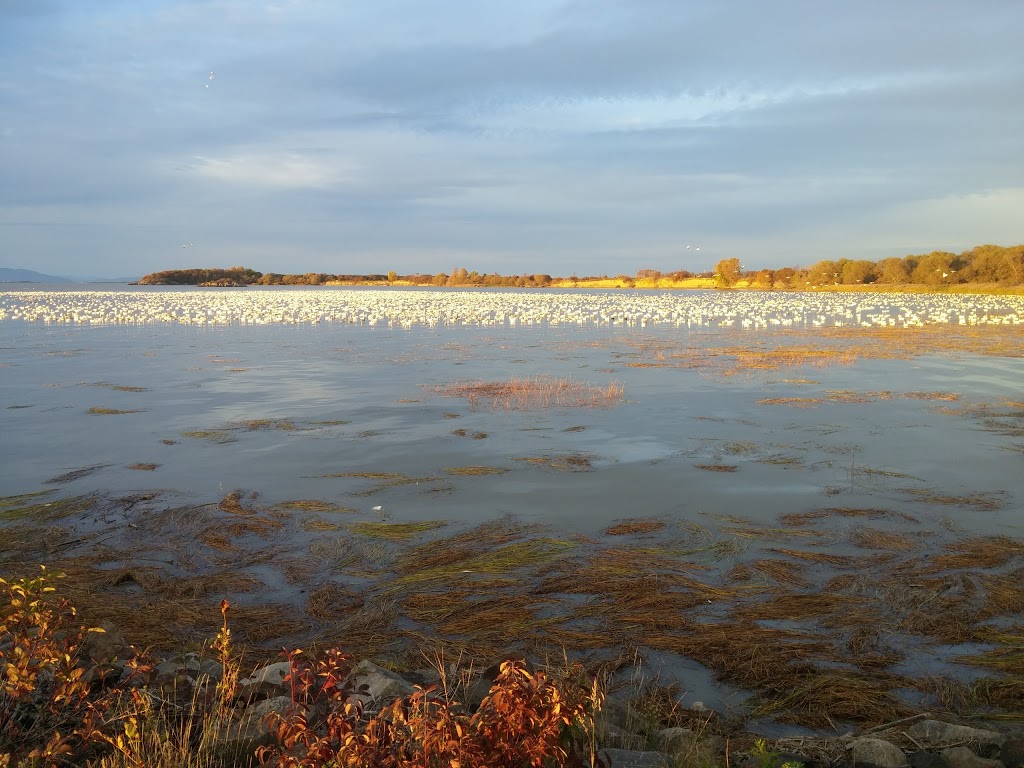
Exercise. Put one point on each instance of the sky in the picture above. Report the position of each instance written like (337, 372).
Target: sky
(537, 136)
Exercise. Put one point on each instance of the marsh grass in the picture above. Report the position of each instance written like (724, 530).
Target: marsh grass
(143, 467)
(873, 513)
(210, 435)
(782, 571)
(564, 462)
(46, 511)
(873, 538)
(390, 480)
(475, 471)
(75, 474)
(328, 601)
(504, 559)
(394, 531)
(96, 410)
(540, 392)
(717, 467)
(312, 505)
(638, 525)
(983, 501)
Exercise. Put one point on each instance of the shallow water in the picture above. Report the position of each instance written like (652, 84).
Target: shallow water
(909, 434)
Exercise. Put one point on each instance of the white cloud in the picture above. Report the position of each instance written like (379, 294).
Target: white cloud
(282, 170)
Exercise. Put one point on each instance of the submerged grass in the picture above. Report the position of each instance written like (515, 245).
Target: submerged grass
(537, 393)
(395, 531)
(473, 471)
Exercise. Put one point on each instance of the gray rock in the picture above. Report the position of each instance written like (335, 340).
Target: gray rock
(936, 732)
(924, 759)
(878, 753)
(962, 757)
(614, 737)
(1012, 753)
(683, 741)
(381, 685)
(241, 737)
(628, 758)
(265, 683)
(106, 646)
(614, 712)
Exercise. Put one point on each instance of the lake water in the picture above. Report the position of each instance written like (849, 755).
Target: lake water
(737, 409)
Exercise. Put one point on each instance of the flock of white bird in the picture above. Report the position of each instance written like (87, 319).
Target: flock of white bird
(416, 308)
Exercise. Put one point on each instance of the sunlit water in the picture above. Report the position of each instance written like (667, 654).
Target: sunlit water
(375, 369)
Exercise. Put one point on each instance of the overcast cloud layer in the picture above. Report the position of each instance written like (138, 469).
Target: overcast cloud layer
(536, 136)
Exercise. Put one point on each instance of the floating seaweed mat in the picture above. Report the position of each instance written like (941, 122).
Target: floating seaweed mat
(271, 621)
(461, 546)
(796, 607)
(824, 698)
(747, 654)
(395, 531)
(837, 561)
(259, 526)
(983, 502)
(232, 503)
(1004, 595)
(773, 534)
(492, 618)
(538, 392)
(804, 518)
(312, 505)
(45, 511)
(345, 552)
(504, 559)
(330, 600)
(782, 571)
(646, 611)
(574, 639)
(873, 538)
(1008, 655)
(635, 525)
(974, 553)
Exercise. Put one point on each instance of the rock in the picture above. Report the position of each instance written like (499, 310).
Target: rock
(962, 757)
(101, 648)
(381, 685)
(265, 683)
(683, 741)
(614, 737)
(936, 732)
(628, 758)
(614, 712)
(1012, 753)
(876, 752)
(241, 737)
(925, 759)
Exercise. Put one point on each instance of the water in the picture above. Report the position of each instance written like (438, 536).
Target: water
(933, 433)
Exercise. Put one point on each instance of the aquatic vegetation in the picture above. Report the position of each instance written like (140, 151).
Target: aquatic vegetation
(143, 467)
(75, 474)
(566, 462)
(312, 505)
(29, 507)
(212, 435)
(536, 393)
(395, 531)
(111, 411)
(473, 471)
(634, 526)
(985, 501)
(717, 467)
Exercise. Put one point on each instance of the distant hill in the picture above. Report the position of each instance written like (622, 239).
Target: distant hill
(28, 276)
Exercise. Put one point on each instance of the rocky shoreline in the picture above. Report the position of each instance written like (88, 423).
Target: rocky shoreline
(625, 736)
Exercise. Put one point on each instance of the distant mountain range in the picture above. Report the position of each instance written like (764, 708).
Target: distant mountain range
(31, 276)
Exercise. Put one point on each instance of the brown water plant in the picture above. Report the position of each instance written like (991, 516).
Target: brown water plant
(535, 393)
(636, 525)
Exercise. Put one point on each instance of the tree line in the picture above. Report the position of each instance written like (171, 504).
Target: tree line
(983, 264)
(988, 264)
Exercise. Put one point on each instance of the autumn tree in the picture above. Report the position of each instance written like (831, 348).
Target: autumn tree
(727, 272)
